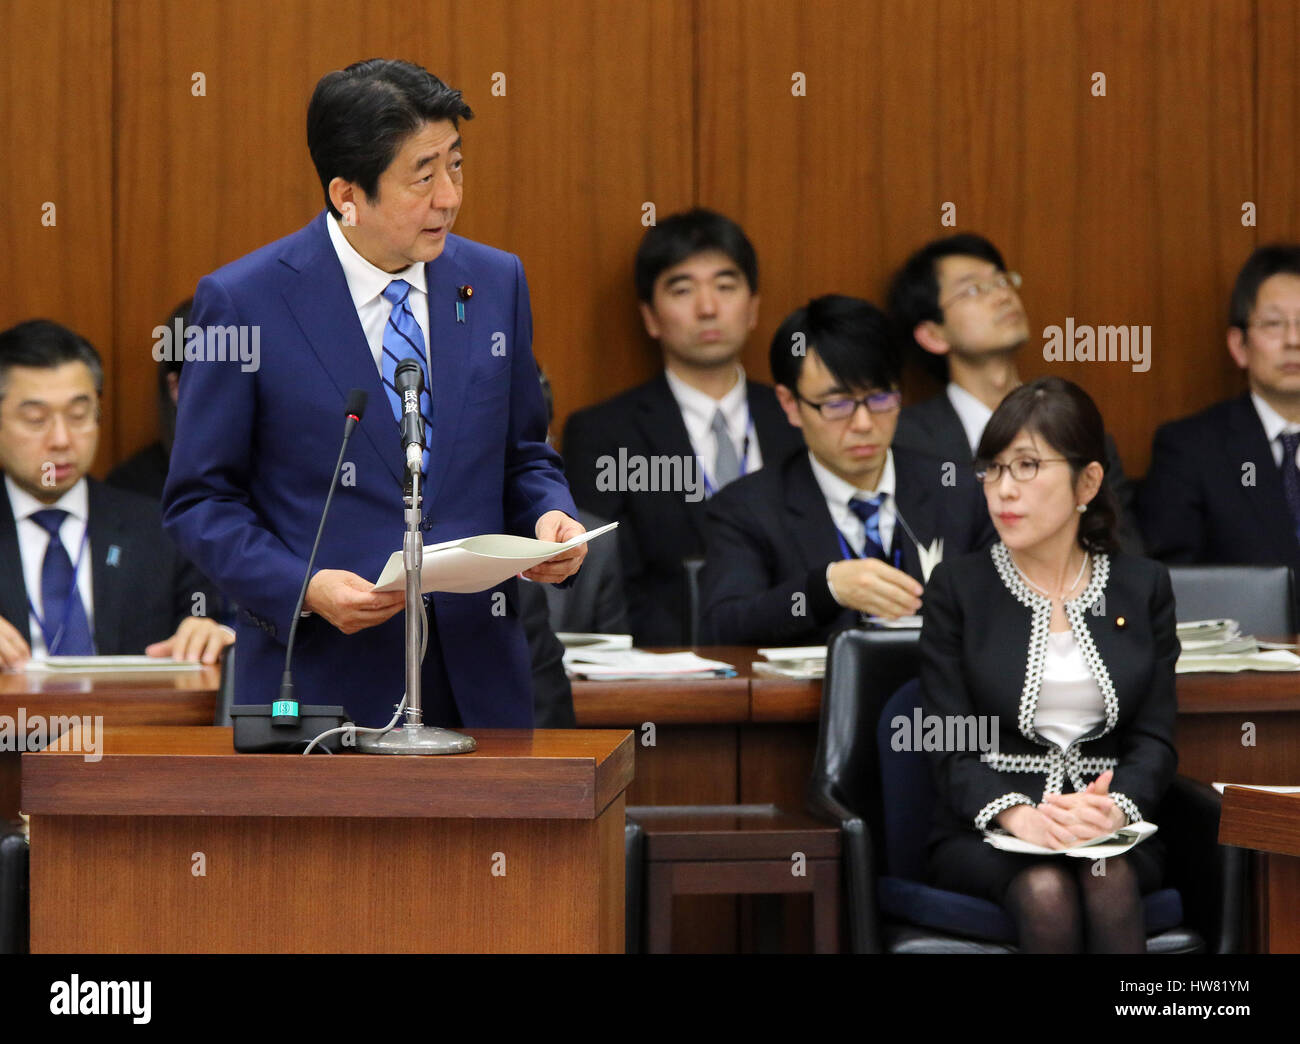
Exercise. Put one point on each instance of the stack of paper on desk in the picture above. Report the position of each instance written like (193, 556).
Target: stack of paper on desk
(478, 562)
(107, 664)
(591, 640)
(629, 664)
(803, 662)
(1219, 646)
(1099, 848)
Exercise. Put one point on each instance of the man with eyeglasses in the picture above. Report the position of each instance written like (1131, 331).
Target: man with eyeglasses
(838, 529)
(959, 313)
(84, 568)
(1224, 484)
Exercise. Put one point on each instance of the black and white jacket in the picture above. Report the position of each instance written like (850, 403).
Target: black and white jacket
(983, 647)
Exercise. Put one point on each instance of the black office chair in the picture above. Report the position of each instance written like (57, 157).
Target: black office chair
(634, 885)
(1259, 597)
(847, 787)
(13, 893)
(692, 610)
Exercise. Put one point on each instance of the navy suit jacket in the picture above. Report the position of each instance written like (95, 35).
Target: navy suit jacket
(656, 529)
(142, 588)
(1213, 494)
(254, 452)
(771, 537)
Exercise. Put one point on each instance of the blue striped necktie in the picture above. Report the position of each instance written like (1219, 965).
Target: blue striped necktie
(868, 509)
(403, 339)
(67, 631)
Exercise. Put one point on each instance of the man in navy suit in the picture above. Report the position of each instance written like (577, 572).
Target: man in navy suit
(961, 319)
(698, 424)
(1224, 484)
(84, 568)
(375, 279)
(831, 531)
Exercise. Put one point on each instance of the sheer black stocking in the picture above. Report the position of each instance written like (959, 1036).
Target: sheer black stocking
(1112, 906)
(1043, 901)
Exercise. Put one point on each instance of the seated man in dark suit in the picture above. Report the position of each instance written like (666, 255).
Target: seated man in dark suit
(1224, 484)
(84, 568)
(648, 458)
(831, 531)
(955, 306)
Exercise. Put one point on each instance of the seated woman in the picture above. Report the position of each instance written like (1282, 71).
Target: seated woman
(1071, 647)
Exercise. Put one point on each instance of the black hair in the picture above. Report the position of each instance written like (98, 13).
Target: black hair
(359, 117)
(1264, 262)
(1064, 416)
(45, 345)
(914, 293)
(851, 337)
(682, 236)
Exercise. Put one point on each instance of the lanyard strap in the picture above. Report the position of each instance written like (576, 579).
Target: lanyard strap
(896, 559)
(73, 592)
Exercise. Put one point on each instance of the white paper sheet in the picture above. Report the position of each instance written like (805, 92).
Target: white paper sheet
(478, 562)
(109, 664)
(1122, 840)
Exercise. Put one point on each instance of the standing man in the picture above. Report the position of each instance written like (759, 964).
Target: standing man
(376, 279)
(700, 419)
(84, 567)
(958, 310)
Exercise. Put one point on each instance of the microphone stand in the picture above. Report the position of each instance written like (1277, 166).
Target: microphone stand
(413, 736)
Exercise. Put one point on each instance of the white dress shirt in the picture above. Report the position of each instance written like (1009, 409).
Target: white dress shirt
(33, 541)
(1070, 704)
(838, 493)
(1274, 425)
(366, 284)
(972, 413)
(698, 409)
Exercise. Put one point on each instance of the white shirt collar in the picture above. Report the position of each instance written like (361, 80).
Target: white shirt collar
(367, 281)
(1274, 423)
(972, 413)
(698, 408)
(76, 501)
(838, 492)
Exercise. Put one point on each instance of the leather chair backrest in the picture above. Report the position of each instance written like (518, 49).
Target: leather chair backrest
(692, 610)
(864, 667)
(1260, 598)
(906, 786)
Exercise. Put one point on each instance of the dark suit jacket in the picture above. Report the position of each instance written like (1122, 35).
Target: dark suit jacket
(933, 427)
(1213, 493)
(657, 530)
(255, 450)
(139, 600)
(596, 601)
(552, 692)
(771, 537)
(982, 648)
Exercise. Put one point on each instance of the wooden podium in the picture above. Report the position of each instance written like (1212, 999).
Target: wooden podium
(174, 843)
(1270, 824)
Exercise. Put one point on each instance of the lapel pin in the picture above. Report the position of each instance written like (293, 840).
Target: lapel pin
(114, 554)
(1121, 622)
(464, 293)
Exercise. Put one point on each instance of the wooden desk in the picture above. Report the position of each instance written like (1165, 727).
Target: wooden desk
(180, 698)
(1270, 824)
(515, 847)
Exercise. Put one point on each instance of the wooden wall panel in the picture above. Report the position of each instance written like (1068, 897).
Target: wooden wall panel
(595, 119)
(1123, 209)
(56, 130)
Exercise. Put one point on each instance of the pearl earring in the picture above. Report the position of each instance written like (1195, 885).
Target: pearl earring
(1081, 508)
(350, 215)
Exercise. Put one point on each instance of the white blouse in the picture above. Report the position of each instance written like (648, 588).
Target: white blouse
(1070, 703)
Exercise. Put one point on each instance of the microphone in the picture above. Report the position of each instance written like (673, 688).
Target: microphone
(408, 379)
(284, 712)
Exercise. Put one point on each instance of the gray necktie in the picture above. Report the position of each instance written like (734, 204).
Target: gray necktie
(726, 465)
